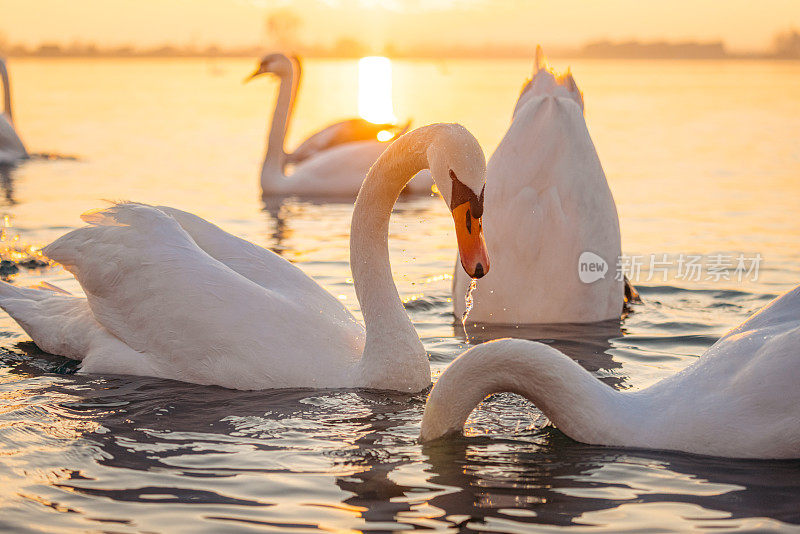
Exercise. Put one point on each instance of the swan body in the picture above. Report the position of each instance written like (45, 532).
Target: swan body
(11, 147)
(739, 399)
(332, 162)
(547, 202)
(339, 133)
(170, 295)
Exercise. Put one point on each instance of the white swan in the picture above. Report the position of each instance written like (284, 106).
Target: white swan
(547, 202)
(171, 295)
(332, 162)
(11, 147)
(739, 399)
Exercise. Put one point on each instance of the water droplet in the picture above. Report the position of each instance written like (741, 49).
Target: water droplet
(468, 302)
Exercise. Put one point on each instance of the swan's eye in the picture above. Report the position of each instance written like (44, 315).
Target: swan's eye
(461, 194)
(469, 222)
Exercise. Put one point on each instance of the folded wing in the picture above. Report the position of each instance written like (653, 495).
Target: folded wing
(150, 285)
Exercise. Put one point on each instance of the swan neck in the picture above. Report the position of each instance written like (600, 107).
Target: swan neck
(6, 92)
(297, 72)
(393, 350)
(578, 404)
(276, 156)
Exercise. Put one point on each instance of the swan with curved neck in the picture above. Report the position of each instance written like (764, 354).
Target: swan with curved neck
(11, 146)
(333, 161)
(739, 399)
(173, 296)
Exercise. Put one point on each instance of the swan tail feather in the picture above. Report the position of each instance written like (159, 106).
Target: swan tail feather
(546, 81)
(43, 285)
(569, 83)
(90, 253)
(57, 323)
(117, 227)
(541, 60)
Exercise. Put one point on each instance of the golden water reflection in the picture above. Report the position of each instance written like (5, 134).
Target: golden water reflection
(712, 167)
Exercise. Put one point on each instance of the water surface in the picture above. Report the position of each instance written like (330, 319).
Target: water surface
(702, 158)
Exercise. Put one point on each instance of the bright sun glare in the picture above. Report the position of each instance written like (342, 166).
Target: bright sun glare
(375, 89)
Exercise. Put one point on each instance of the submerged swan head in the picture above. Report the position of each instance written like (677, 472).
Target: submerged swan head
(458, 168)
(466, 382)
(575, 401)
(277, 64)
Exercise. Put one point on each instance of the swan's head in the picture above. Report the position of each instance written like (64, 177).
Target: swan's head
(482, 370)
(561, 388)
(458, 167)
(277, 64)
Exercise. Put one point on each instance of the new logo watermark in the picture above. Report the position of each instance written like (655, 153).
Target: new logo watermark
(591, 267)
(738, 267)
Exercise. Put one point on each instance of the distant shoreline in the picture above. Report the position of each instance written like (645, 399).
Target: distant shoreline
(786, 48)
(425, 57)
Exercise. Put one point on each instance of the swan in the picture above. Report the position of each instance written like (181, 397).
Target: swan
(740, 399)
(170, 295)
(547, 203)
(11, 147)
(332, 162)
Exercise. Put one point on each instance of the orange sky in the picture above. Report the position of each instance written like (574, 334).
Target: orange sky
(742, 24)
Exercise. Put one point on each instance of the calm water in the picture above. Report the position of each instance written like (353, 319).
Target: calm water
(702, 158)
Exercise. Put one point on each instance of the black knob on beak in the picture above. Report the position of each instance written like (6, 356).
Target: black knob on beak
(478, 271)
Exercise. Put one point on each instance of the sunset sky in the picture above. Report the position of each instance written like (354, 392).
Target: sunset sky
(742, 24)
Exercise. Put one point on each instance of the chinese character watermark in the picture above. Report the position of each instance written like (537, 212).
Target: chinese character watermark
(717, 267)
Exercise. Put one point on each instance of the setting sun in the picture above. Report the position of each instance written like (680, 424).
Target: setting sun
(375, 89)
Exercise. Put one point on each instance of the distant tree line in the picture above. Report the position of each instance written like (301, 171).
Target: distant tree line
(281, 29)
(787, 44)
(655, 50)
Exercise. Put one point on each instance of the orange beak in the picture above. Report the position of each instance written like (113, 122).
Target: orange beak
(471, 245)
(256, 73)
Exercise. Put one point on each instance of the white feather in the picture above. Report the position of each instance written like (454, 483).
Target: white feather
(739, 399)
(547, 201)
(169, 294)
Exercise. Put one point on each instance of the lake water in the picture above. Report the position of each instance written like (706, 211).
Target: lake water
(702, 157)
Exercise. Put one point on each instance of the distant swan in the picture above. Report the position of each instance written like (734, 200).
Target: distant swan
(332, 162)
(173, 296)
(739, 399)
(547, 203)
(11, 147)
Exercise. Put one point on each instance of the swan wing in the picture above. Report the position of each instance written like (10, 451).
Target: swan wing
(338, 171)
(63, 324)
(339, 133)
(195, 319)
(262, 266)
(781, 311)
(58, 323)
(740, 347)
(740, 398)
